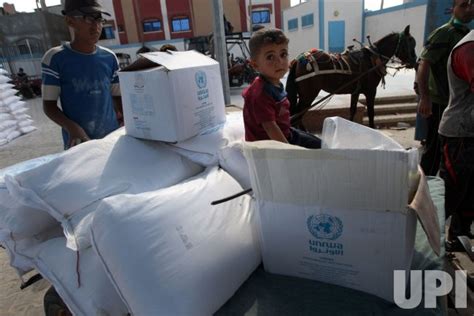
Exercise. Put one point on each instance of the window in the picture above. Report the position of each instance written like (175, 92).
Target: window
(292, 24)
(107, 32)
(296, 2)
(261, 16)
(180, 24)
(28, 46)
(307, 20)
(152, 26)
(23, 49)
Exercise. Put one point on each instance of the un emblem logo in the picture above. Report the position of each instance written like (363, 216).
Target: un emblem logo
(139, 82)
(201, 79)
(324, 226)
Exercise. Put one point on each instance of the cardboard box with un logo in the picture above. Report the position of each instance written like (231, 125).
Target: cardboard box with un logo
(341, 216)
(171, 96)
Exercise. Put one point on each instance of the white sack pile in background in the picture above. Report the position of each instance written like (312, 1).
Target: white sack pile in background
(14, 121)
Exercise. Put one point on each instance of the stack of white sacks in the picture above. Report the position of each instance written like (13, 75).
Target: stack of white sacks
(14, 121)
(123, 225)
(135, 217)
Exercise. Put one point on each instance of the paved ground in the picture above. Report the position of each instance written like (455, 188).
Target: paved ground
(47, 140)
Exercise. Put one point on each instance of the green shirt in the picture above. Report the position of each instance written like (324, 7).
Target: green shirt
(436, 51)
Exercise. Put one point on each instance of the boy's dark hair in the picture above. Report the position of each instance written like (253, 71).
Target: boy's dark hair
(168, 47)
(264, 37)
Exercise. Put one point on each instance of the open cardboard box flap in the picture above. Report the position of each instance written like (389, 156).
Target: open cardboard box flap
(425, 209)
(171, 60)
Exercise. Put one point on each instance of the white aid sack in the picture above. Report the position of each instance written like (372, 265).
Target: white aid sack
(170, 252)
(232, 160)
(4, 79)
(4, 134)
(12, 101)
(16, 105)
(19, 111)
(25, 123)
(95, 295)
(22, 221)
(97, 169)
(7, 93)
(4, 125)
(22, 117)
(6, 86)
(204, 149)
(344, 134)
(14, 134)
(23, 228)
(26, 129)
(21, 251)
(6, 117)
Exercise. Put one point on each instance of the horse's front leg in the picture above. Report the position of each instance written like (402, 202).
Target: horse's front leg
(354, 100)
(370, 97)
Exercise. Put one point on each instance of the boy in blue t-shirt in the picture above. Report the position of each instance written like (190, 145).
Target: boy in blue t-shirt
(83, 76)
(266, 108)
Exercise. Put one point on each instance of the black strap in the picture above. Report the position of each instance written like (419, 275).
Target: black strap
(35, 278)
(231, 197)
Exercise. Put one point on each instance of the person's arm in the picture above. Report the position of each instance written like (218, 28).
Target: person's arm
(116, 93)
(118, 109)
(274, 132)
(462, 62)
(422, 78)
(117, 100)
(76, 133)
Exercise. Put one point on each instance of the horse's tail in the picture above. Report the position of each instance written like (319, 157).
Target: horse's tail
(292, 94)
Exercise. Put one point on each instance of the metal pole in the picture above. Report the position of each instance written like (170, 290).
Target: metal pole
(250, 17)
(220, 48)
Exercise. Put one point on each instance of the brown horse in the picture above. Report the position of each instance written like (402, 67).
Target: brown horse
(352, 72)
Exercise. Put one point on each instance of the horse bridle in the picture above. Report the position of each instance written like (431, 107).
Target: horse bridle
(373, 49)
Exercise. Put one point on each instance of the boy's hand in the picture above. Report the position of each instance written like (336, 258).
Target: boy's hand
(424, 106)
(274, 132)
(77, 135)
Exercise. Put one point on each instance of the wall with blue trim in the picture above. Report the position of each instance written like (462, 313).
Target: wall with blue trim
(305, 35)
(411, 13)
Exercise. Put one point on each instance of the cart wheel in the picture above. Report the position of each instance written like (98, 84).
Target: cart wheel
(54, 305)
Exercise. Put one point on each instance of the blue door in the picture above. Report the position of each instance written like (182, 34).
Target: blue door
(336, 36)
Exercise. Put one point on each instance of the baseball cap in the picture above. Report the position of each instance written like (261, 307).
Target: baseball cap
(82, 7)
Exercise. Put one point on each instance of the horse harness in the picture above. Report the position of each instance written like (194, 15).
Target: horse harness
(316, 59)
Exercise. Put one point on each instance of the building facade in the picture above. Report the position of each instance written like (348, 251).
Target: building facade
(332, 25)
(25, 37)
(327, 25)
(158, 20)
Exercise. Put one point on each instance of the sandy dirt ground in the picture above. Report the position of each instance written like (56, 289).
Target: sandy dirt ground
(47, 140)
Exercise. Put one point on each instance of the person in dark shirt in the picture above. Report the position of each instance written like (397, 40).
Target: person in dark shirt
(432, 79)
